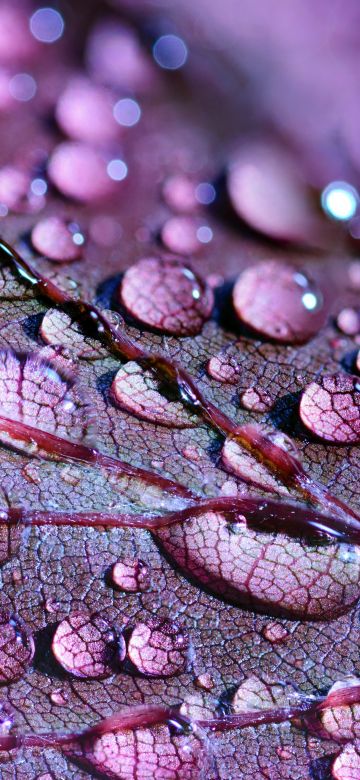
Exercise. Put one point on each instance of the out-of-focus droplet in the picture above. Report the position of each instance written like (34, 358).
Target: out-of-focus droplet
(80, 172)
(16, 192)
(86, 645)
(348, 321)
(84, 111)
(158, 648)
(16, 647)
(179, 193)
(57, 240)
(115, 56)
(16, 41)
(354, 274)
(22, 87)
(330, 408)
(340, 201)
(166, 295)
(170, 52)
(185, 235)
(130, 575)
(267, 192)
(47, 25)
(279, 302)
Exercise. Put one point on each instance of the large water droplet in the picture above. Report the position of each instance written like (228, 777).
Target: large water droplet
(130, 575)
(159, 648)
(139, 392)
(348, 321)
(16, 647)
(84, 111)
(267, 572)
(166, 295)
(279, 302)
(346, 765)
(330, 408)
(57, 239)
(87, 645)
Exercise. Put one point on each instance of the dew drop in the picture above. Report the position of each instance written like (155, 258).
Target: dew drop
(204, 681)
(339, 721)
(52, 606)
(55, 238)
(137, 391)
(330, 408)
(348, 321)
(16, 647)
(267, 192)
(256, 400)
(246, 466)
(87, 646)
(59, 697)
(179, 194)
(167, 295)
(346, 765)
(84, 112)
(80, 172)
(16, 193)
(184, 235)
(57, 328)
(159, 648)
(279, 302)
(224, 367)
(275, 633)
(130, 575)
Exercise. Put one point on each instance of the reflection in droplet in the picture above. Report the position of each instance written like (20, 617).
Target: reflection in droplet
(47, 25)
(127, 112)
(340, 200)
(22, 87)
(170, 52)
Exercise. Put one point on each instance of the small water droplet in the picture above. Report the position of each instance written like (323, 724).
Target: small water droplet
(130, 575)
(204, 681)
(255, 399)
(57, 239)
(275, 633)
(52, 606)
(279, 302)
(185, 235)
(348, 321)
(84, 111)
(59, 697)
(159, 648)
(79, 171)
(330, 408)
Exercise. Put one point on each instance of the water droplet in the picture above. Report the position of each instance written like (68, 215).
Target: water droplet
(16, 193)
(354, 274)
(59, 697)
(159, 648)
(185, 235)
(224, 367)
(275, 633)
(272, 573)
(55, 238)
(279, 302)
(16, 41)
(346, 766)
(57, 328)
(16, 647)
(130, 575)
(139, 392)
(267, 192)
(204, 681)
(330, 408)
(348, 321)
(79, 171)
(52, 606)
(37, 393)
(87, 646)
(256, 400)
(191, 452)
(114, 56)
(84, 111)
(166, 295)
(179, 193)
(243, 464)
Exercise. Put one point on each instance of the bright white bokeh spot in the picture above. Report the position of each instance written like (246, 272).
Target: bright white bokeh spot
(47, 25)
(117, 170)
(38, 187)
(340, 200)
(205, 193)
(78, 239)
(204, 234)
(170, 52)
(127, 112)
(310, 301)
(22, 87)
